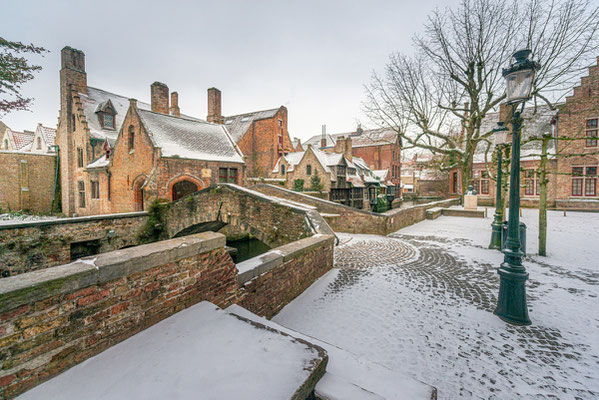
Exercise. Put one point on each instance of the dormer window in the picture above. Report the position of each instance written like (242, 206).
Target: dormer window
(106, 113)
(108, 121)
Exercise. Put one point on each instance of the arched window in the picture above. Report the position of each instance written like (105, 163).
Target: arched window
(309, 169)
(5, 144)
(39, 143)
(282, 169)
(131, 137)
(183, 188)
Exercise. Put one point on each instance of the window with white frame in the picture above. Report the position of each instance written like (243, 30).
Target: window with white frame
(480, 182)
(584, 181)
(531, 183)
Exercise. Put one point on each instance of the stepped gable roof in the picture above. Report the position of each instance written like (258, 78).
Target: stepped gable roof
(537, 122)
(368, 137)
(98, 100)
(191, 138)
(239, 124)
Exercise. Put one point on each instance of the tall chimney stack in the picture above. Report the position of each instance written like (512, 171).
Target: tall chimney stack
(159, 97)
(214, 106)
(348, 149)
(323, 139)
(175, 110)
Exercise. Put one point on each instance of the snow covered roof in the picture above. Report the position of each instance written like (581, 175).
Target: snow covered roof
(381, 173)
(101, 162)
(188, 137)
(96, 100)
(370, 137)
(535, 125)
(356, 181)
(49, 134)
(21, 139)
(239, 124)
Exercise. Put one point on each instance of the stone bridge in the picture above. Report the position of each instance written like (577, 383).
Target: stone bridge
(272, 220)
(233, 210)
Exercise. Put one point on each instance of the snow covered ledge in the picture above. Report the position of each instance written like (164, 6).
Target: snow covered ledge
(55, 318)
(273, 279)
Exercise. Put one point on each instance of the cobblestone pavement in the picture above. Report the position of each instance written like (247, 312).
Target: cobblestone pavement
(423, 305)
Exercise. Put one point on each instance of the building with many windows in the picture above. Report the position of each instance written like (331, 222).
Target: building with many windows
(118, 154)
(573, 151)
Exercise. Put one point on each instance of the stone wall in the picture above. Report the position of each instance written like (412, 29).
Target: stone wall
(55, 318)
(275, 278)
(273, 222)
(27, 181)
(342, 218)
(29, 246)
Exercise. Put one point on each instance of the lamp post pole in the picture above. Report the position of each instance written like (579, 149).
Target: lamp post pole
(511, 303)
(498, 222)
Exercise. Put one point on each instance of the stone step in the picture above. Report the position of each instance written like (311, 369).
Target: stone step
(434, 213)
(349, 377)
(200, 352)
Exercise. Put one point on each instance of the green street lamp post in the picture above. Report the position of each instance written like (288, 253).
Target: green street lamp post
(500, 135)
(511, 303)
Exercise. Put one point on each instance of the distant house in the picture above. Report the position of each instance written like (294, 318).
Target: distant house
(118, 154)
(379, 148)
(420, 176)
(344, 178)
(15, 140)
(262, 136)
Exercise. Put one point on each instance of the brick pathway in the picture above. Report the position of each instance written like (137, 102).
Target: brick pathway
(423, 305)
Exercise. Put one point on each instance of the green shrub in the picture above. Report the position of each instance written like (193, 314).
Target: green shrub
(381, 203)
(155, 227)
(298, 185)
(315, 184)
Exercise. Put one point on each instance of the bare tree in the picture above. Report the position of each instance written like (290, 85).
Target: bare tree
(437, 98)
(14, 71)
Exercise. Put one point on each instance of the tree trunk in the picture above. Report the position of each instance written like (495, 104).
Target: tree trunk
(543, 198)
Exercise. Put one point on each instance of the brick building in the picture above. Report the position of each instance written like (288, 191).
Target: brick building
(262, 136)
(379, 148)
(573, 154)
(118, 154)
(16, 141)
(344, 178)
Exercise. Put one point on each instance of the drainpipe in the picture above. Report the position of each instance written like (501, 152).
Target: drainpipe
(254, 148)
(55, 146)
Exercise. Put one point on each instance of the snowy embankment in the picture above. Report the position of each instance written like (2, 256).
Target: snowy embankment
(12, 218)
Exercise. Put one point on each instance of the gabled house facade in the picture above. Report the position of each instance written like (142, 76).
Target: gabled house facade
(16, 141)
(118, 154)
(345, 179)
(379, 148)
(262, 136)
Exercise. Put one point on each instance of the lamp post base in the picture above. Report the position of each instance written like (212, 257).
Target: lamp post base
(511, 304)
(495, 234)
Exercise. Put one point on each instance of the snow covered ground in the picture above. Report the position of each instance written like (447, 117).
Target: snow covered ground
(421, 300)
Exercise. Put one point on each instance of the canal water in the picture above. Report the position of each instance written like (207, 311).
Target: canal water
(247, 248)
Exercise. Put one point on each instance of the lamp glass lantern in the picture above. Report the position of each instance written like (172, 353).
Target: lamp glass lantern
(519, 77)
(500, 134)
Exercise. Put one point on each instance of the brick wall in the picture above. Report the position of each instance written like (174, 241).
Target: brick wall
(30, 246)
(300, 171)
(54, 320)
(289, 271)
(59, 317)
(259, 144)
(351, 220)
(27, 181)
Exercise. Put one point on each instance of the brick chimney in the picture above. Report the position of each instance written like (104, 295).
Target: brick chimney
(323, 138)
(348, 148)
(214, 106)
(504, 112)
(175, 110)
(159, 97)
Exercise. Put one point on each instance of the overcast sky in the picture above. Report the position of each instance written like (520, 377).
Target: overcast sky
(311, 56)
